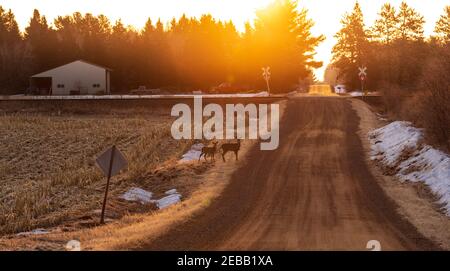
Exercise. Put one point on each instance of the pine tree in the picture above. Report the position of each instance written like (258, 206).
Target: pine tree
(350, 52)
(442, 28)
(42, 41)
(13, 54)
(9, 29)
(148, 29)
(282, 39)
(410, 23)
(93, 33)
(385, 29)
(68, 39)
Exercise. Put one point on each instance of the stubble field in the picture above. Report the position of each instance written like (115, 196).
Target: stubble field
(48, 174)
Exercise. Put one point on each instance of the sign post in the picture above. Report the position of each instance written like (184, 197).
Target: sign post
(362, 76)
(111, 162)
(266, 75)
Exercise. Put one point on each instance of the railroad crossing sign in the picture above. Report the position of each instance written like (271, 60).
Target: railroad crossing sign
(111, 162)
(266, 76)
(362, 73)
(362, 76)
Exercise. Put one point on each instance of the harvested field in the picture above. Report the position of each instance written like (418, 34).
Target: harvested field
(74, 204)
(48, 173)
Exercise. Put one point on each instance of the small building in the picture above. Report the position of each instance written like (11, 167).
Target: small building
(76, 78)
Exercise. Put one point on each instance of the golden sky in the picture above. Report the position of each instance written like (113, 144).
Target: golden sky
(326, 13)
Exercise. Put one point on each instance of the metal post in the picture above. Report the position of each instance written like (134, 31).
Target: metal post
(362, 87)
(268, 87)
(113, 150)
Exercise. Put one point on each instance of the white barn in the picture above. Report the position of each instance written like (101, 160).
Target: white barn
(76, 78)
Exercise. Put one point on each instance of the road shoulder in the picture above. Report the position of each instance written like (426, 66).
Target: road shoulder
(416, 208)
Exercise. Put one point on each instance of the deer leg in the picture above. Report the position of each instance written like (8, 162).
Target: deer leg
(223, 156)
(236, 153)
(200, 157)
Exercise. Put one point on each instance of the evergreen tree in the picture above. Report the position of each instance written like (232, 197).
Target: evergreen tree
(68, 38)
(385, 29)
(122, 59)
(442, 28)
(148, 29)
(282, 39)
(94, 32)
(14, 55)
(43, 43)
(410, 23)
(351, 50)
(9, 29)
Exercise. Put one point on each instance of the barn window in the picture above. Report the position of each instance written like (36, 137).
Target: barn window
(60, 86)
(96, 85)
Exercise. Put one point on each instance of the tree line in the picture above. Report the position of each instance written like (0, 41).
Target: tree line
(410, 70)
(394, 48)
(187, 53)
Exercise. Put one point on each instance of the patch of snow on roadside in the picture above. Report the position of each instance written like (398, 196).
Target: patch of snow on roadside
(142, 196)
(171, 192)
(193, 154)
(168, 201)
(138, 194)
(424, 164)
(390, 140)
(34, 232)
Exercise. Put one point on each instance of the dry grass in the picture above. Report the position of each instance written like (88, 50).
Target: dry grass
(135, 230)
(47, 164)
(414, 201)
(154, 167)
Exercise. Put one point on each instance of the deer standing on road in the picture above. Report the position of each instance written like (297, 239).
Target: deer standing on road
(211, 151)
(231, 147)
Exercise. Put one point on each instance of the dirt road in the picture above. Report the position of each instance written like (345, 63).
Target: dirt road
(315, 192)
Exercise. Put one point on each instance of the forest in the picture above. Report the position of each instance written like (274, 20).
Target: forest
(410, 70)
(394, 49)
(185, 54)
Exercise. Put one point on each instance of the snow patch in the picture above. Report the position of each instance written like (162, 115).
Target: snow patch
(138, 194)
(144, 197)
(172, 198)
(423, 164)
(171, 192)
(34, 232)
(193, 154)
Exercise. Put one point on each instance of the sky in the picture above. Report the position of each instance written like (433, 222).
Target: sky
(326, 13)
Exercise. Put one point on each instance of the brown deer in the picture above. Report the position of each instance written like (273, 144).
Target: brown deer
(211, 151)
(231, 147)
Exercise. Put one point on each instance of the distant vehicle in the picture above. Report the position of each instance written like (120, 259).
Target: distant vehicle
(340, 89)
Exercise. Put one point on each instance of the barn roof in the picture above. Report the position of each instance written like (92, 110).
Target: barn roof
(80, 60)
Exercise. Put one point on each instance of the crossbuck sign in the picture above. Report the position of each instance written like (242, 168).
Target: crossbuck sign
(266, 75)
(362, 73)
(362, 76)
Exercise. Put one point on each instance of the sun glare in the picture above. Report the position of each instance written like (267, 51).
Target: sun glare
(326, 14)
